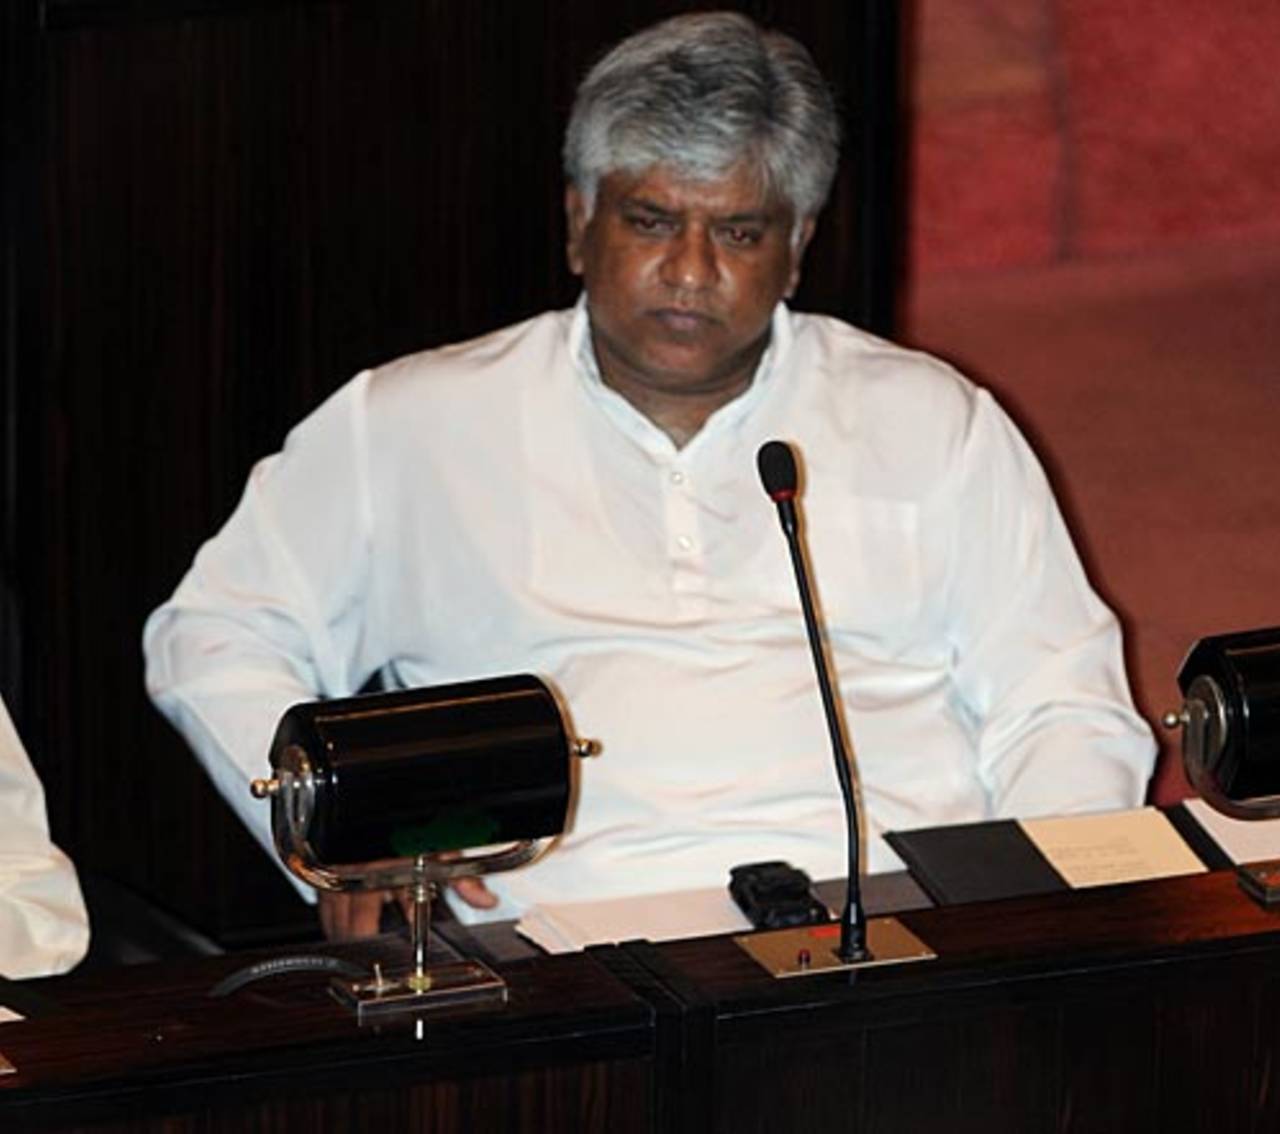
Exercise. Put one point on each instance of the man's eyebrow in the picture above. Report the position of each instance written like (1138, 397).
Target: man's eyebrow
(761, 216)
(647, 205)
(754, 216)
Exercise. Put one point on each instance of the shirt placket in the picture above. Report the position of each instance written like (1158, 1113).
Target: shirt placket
(685, 551)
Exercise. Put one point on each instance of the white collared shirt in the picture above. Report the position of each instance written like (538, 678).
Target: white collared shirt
(44, 928)
(493, 507)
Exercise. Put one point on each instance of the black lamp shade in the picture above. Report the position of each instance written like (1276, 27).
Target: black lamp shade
(423, 771)
(1245, 668)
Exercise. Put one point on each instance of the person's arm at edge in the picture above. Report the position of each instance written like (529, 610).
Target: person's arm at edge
(44, 928)
(268, 613)
(247, 633)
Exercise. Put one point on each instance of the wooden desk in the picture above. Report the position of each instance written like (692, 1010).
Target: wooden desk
(1148, 1007)
(145, 1048)
(1128, 1008)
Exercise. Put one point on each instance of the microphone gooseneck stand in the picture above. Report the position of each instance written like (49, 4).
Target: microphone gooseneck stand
(777, 465)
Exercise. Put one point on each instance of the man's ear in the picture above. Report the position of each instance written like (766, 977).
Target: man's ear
(798, 246)
(575, 212)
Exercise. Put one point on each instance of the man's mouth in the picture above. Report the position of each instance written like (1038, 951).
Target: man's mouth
(683, 321)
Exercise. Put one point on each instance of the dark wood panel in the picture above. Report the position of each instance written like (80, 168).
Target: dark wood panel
(594, 1098)
(59, 14)
(1124, 1008)
(18, 30)
(571, 1050)
(1000, 1070)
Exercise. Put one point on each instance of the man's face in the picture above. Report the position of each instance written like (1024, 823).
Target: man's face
(682, 277)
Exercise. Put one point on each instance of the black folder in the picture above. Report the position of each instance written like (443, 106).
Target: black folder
(975, 862)
(978, 862)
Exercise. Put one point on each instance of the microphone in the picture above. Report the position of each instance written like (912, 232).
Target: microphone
(777, 465)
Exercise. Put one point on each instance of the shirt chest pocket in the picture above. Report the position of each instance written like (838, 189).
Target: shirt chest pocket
(864, 562)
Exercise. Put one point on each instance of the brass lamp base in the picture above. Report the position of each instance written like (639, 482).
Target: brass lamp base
(808, 949)
(435, 986)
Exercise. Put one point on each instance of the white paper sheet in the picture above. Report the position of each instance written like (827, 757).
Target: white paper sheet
(565, 927)
(1112, 846)
(1242, 840)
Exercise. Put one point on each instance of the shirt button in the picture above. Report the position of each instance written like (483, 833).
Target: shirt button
(684, 543)
(677, 477)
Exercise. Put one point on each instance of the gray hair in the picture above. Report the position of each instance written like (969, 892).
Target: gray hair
(701, 93)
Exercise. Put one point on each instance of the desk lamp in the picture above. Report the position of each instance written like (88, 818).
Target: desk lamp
(1230, 721)
(410, 789)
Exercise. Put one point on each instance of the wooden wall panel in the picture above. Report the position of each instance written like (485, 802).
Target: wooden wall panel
(230, 209)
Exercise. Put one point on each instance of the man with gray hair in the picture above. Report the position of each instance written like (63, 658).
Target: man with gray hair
(615, 539)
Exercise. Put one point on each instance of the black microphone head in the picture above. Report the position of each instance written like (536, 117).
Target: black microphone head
(777, 465)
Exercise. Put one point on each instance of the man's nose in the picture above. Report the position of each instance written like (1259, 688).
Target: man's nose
(690, 263)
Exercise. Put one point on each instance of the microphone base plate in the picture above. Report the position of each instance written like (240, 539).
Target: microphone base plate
(805, 950)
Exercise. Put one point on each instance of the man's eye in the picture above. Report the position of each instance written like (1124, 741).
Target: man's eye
(642, 222)
(741, 235)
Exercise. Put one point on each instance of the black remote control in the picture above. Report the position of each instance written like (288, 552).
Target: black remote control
(775, 895)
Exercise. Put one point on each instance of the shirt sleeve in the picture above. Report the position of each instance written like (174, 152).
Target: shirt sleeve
(271, 611)
(44, 928)
(1038, 659)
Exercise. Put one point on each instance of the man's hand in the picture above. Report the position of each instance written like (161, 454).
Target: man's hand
(347, 916)
(475, 893)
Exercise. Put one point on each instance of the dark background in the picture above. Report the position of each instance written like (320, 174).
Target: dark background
(214, 214)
